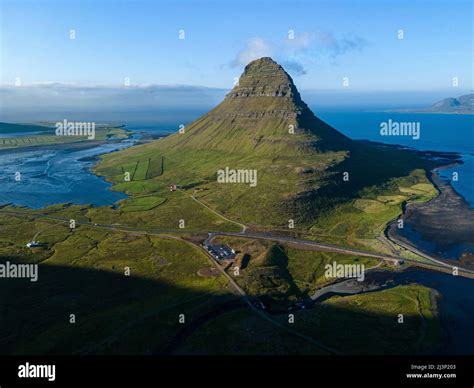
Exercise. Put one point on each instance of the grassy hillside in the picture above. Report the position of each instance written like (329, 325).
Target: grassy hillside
(301, 165)
(360, 324)
(368, 323)
(262, 124)
(83, 273)
(280, 275)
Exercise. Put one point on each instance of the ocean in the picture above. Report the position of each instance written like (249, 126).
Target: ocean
(73, 182)
(49, 176)
(438, 132)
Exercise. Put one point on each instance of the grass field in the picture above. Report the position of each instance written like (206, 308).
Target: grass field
(240, 332)
(359, 222)
(361, 324)
(83, 272)
(368, 323)
(140, 169)
(141, 204)
(146, 292)
(280, 275)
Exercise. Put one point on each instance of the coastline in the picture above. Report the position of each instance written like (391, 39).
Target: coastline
(428, 112)
(80, 145)
(446, 222)
(86, 163)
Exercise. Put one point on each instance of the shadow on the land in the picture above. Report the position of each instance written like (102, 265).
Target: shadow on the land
(117, 314)
(346, 330)
(108, 308)
(369, 169)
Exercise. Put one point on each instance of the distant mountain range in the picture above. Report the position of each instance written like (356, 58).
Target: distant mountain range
(461, 105)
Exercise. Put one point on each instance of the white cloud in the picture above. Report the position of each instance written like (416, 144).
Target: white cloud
(300, 41)
(335, 46)
(303, 49)
(255, 48)
(293, 67)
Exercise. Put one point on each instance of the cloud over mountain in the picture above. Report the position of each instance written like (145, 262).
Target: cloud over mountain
(299, 50)
(255, 48)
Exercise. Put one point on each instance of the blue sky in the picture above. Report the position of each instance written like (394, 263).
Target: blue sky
(334, 39)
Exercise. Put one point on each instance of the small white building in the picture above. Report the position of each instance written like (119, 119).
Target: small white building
(33, 244)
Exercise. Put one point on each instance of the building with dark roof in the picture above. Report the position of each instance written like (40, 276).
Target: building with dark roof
(221, 252)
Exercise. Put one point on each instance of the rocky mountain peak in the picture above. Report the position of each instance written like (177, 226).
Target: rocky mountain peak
(265, 78)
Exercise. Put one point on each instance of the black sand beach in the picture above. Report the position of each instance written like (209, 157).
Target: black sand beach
(442, 227)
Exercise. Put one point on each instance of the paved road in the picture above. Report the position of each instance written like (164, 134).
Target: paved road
(416, 251)
(282, 239)
(259, 236)
(232, 282)
(334, 248)
(265, 316)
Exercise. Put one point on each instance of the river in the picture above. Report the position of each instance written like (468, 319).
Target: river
(455, 305)
(38, 177)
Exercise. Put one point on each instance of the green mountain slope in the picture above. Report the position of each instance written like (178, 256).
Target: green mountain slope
(263, 125)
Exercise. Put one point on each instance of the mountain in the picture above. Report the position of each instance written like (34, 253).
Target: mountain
(461, 105)
(257, 114)
(303, 166)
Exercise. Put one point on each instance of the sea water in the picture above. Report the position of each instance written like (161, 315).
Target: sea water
(438, 132)
(38, 177)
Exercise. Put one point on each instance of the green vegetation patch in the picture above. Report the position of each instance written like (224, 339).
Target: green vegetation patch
(242, 332)
(359, 221)
(141, 203)
(84, 272)
(369, 323)
(282, 274)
